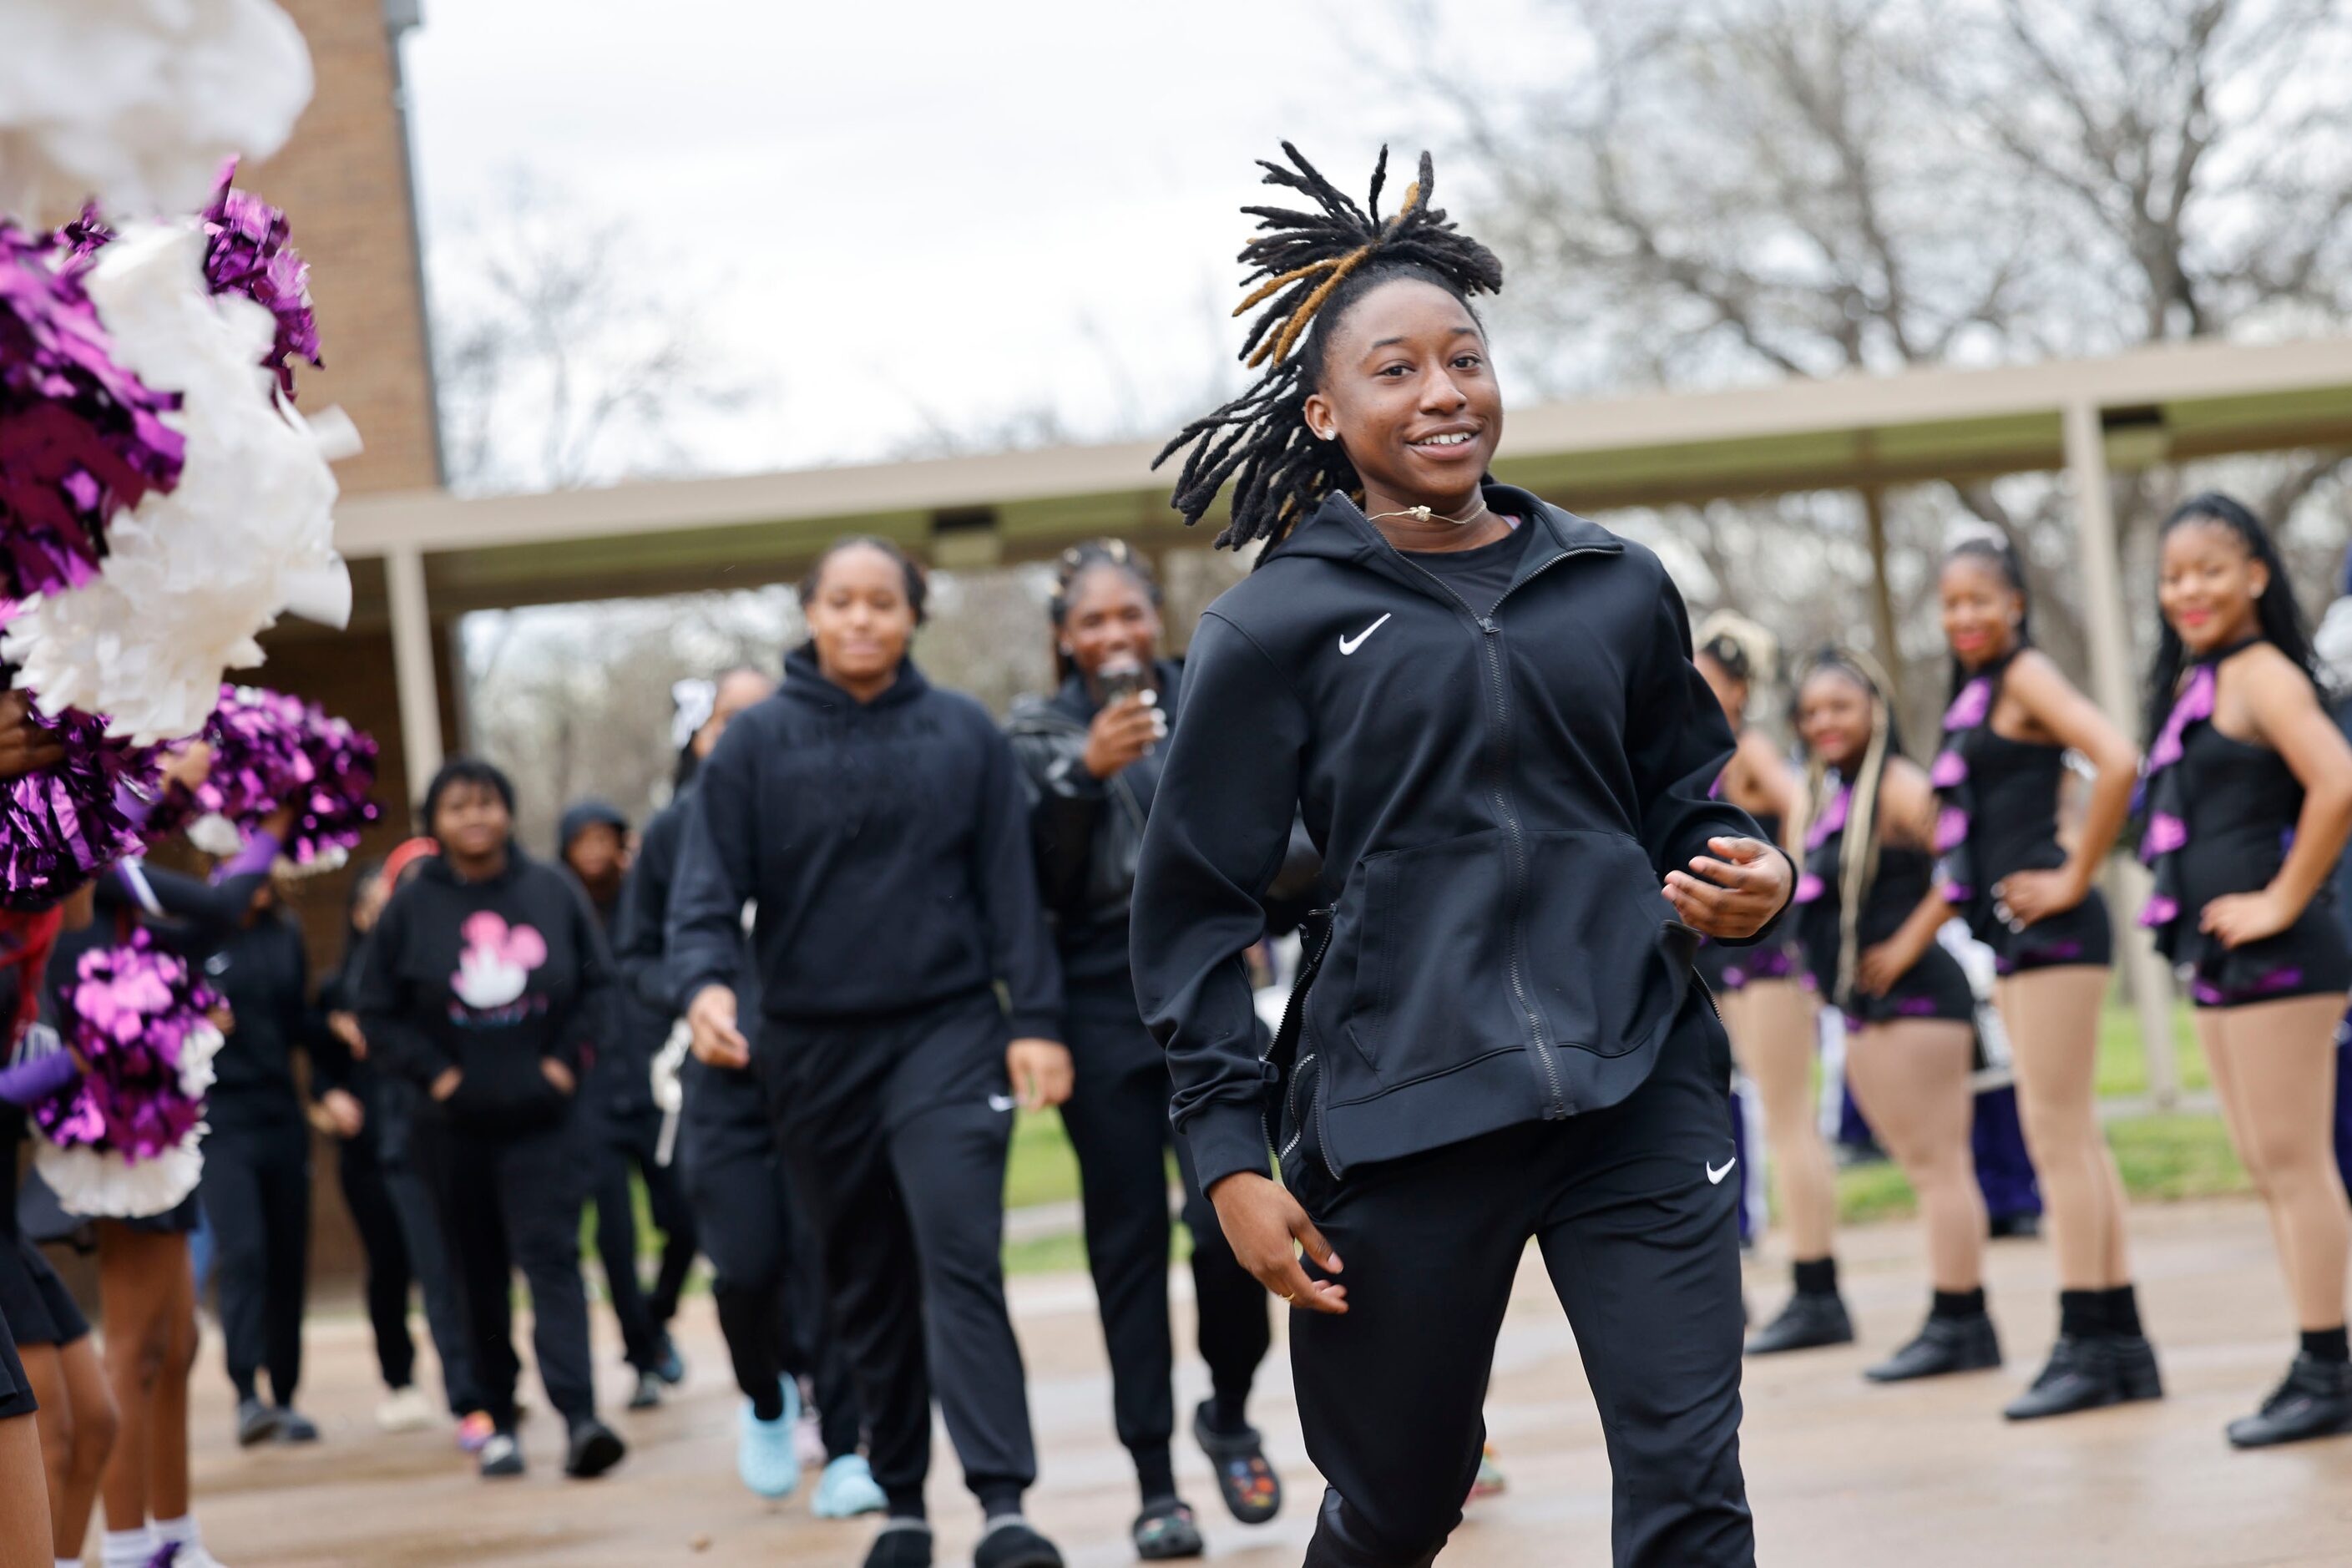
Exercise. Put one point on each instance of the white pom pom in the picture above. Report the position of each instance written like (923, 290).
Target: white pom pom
(111, 1185)
(216, 835)
(139, 102)
(191, 578)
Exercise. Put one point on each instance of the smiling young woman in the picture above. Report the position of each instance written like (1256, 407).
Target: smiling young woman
(2248, 805)
(1486, 711)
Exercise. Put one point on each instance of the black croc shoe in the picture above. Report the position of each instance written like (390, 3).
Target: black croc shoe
(1945, 1345)
(1165, 1531)
(1253, 1492)
(1808, 1322)
(1011, 1543)
(903, 1544)
(2316, 1401)
(2079, 1375)
(593, 1450)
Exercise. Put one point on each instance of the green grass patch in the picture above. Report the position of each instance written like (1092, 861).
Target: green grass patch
(1041, 1168)
(2164, 1159)
(2123, 1062)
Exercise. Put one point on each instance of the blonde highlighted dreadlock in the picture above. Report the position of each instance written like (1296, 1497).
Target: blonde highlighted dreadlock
(1858, 847)
(1746, 651)
(1306, 269)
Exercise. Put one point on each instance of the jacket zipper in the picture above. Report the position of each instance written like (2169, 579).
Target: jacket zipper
(1556, 1106)
(1308, 965)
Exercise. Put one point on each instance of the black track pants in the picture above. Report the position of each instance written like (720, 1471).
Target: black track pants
(368, 1195)
(619, 1144)
(257, 1193)
(764, 1258)
(1117, 1122)
(412, 1147)
(895, 1132)
(512, 1201)
(1633, 1207)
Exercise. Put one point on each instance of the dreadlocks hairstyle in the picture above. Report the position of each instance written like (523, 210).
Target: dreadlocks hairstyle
(1078, 561)
(1308, 269)
(1858, 849)
(917, 583)
(1748, 653)
(2281, 618)
(1998, 552)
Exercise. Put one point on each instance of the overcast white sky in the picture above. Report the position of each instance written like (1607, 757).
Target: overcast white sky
(964, 209)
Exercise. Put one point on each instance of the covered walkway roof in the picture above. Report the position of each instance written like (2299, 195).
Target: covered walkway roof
(2189, 400)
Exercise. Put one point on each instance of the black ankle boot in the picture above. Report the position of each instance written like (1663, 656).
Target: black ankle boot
(2079, 1375)
(1944, 1345)
(2137, 1376)
(2316, 1401)
(1809, 1322)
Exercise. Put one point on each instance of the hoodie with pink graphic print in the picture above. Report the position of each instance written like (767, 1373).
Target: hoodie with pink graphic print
(489, 977)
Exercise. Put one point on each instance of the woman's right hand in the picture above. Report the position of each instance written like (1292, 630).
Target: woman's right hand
(717, 1040)
(447, 1084)
(22, 749)
(1262, 1222)
(1123, 732)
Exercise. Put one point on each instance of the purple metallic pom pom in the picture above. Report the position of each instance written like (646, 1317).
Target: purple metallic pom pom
(80, 436)
(248, 250)
(272, 750)
(59, 826)
(132, 1012)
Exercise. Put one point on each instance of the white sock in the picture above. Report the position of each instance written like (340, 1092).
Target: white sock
(68, 1563)
(181, 1530)
(127, 1548)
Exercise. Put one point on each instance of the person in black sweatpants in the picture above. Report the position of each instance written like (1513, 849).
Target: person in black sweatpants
(257, 1182)
(482, 981)
(765, 1282)
(622, 1126)
(877, 823)
(1091, 758)
(1485, 710)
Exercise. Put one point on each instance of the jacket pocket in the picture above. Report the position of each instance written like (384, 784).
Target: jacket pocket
(1610, 961)
(1432, 988)
(501, 1078)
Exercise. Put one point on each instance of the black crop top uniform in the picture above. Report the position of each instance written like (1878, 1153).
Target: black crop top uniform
(1999, 814)
(1935, 987)
(2222, 816)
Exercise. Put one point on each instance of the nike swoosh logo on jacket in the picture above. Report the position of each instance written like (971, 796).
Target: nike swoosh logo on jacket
(1496, 798)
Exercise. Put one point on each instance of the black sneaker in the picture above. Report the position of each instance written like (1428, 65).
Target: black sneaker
(2137, 1376)
(256, 1422)
(502, 1457)
(1808, 1322)
(594, 1450)
(2079, 1375)
(670, 1367)
(1009, 1542)
(2316, 1401)
(1945, 1345)
(1165, 1530)
(647, 1395)
(903, 1544)
(293, 1427)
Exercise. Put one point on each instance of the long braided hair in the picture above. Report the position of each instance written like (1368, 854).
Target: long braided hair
(1308, 269)
(1748, 652)
(1858, 847)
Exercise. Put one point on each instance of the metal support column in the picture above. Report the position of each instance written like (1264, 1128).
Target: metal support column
(411, 667)
(2111, 681)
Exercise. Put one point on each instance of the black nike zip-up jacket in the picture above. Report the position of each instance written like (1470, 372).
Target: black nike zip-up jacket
(1496, 798)
(487, 977)
(887, 845)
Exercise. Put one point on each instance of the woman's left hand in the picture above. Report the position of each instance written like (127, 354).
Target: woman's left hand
(1878, 967)
(1735, 895)
(1041, 1072)
(2240, 917)
(556, 1073)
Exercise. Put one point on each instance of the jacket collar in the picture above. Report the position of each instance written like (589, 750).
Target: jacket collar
(1338, 531)
(805, 682)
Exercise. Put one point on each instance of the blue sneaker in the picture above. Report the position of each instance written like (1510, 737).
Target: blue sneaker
(763, 1451)
(847, 1489)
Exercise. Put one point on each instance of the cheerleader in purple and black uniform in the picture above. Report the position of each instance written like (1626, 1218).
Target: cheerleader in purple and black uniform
(1767, 1009)
(2249, 804)
(2013, 720)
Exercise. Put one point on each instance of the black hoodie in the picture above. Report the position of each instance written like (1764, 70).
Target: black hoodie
(1496, 797)
(487, 977)
(627, 1035)
(886, 848)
